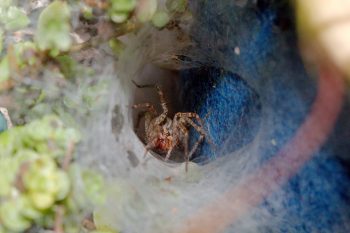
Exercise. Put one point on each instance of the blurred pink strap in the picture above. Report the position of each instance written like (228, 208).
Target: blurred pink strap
(312, 134)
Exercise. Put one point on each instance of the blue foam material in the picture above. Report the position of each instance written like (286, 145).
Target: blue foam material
(3, 123)
(266, 81)
(236, 99)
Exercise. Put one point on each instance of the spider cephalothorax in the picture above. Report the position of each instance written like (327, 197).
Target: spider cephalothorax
(163, 134)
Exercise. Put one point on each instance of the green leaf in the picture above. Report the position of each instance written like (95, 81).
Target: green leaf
(146, 9)
(7, 166)
(16, 19)
(160, 19)
(33, 183)
(176, 5)
(120, 10)
(11, 217)
(105, 229)
(41, 200)
(68, 66)
(11, 141)
(53, 27)
(119, 17)
(5, 3)
(116, 45)
(28, 210)
(1, 40)
(64, 184)
(94, 186)
(123, 5)
(25, 53)
(87, 12)
(4, 70)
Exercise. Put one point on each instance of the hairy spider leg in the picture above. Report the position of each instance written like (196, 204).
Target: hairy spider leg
(202, 134)
(185, 118)
(169, 153)
(161, 117)
(180, 124)
(176, 137)
(149, 109)
(187, 156)
(174, 142)
(150, 146)
(143, 86)
(188, 115)
(195, 147)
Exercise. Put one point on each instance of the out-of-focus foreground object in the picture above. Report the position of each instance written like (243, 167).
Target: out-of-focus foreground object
(324, 31)
(5, 120)
(281, 133)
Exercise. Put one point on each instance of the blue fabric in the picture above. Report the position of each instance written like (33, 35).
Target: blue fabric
(3, 123)
(266, 84)
(222, 98)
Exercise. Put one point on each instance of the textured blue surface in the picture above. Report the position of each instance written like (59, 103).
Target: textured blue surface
(228, 104)
(3, 123)
(266, 86)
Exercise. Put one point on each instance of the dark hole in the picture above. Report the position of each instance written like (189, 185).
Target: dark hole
(229, 107)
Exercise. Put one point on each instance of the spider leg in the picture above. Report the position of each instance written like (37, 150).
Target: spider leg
(146, 151)
(149, 146)
(200, 129)
(184, 131)
(161, 117)
(202, 134)
(174, 142)
(149, 107)
(179, 126)
(169, 153)
(195, 147)
(184, 118)
(142, 86)
(164, 114)
(189, 115)
(187, 156)
(150, 113)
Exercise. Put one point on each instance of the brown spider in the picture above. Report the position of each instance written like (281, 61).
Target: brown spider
(164, 134)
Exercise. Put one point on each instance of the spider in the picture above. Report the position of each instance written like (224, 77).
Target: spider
(164, 134)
